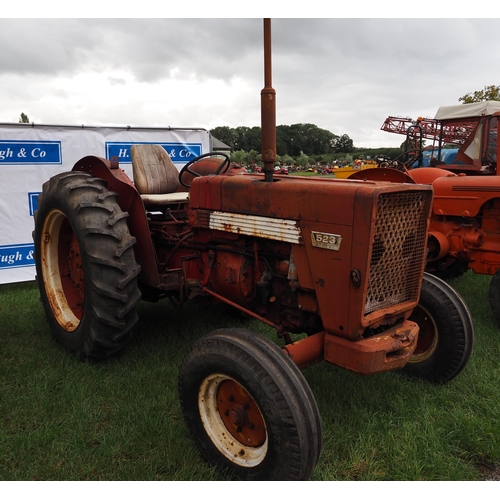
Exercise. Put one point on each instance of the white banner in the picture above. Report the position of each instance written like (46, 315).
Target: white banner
(31, 154)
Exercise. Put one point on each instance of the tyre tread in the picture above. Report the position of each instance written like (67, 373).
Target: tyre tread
(299, 419)
(110, 269)
(455, 332)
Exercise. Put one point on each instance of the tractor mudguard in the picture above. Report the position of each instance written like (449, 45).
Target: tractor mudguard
(382, 174)
(130, 201)
(427, 175)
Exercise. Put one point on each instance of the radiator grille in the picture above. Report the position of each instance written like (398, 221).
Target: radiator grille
(399, 243)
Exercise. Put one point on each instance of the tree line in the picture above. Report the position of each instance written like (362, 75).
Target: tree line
(301, 144)
(291, 140)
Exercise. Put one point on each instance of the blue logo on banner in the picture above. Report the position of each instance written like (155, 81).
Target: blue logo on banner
(178, 151)
(33, 202)
(29, 152)
(12, 256)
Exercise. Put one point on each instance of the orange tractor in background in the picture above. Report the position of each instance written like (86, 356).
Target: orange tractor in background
(338, 262)
(462, 166)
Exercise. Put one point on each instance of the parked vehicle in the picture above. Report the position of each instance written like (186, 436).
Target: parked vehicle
(337, 260)
(464, 229)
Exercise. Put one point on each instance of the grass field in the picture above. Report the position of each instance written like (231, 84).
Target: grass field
(64, 419)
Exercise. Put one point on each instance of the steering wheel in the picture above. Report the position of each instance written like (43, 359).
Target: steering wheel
(403, 166)
(186, 168)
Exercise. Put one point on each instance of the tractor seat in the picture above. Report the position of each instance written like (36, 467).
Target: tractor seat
(155, 176)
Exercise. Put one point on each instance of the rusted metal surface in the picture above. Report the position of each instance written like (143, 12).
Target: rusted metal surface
(208, 166)
(272, 250)
(62, 266)
(268, 109)
(427, 336)
(338, 260)
(382, 174)
(130, 201)
(233, 420)
(387, 281)
(433, 129)
(240, 414)
(395, 271)
(308, 351)
(388, 351)
(254, 225)
(242, 309)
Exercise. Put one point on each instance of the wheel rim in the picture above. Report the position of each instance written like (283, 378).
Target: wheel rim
(427, 335)
(62, 270)
(232, 420)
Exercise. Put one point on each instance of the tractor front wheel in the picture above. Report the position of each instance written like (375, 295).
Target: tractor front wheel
(249, 407)
(446, 333)
(85, 264)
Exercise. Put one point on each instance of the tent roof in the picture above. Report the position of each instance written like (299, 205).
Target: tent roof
(219, 145)
(467, 110)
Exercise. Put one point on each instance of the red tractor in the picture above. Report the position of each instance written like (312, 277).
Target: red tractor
(462, 167)
(340, 261)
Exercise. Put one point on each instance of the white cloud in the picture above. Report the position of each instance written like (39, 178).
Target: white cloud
(344, 75)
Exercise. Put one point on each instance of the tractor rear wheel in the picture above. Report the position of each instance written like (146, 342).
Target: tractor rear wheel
(446, 334)
(249, 407)
(85, 264)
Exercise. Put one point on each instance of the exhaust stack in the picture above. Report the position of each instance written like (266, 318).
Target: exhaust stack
(268, 109)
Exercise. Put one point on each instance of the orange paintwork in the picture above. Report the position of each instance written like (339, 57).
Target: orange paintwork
(350, 214)
(466, 209)
(288, 282)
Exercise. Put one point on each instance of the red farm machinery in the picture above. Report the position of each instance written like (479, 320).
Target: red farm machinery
(461, 164)
(339, 262)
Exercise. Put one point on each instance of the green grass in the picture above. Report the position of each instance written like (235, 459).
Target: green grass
(313, 174)
(64, 419)
(303, 173)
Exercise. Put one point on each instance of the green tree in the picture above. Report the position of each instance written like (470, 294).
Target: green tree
(489, 93)
(240, 157)
(305, 137)
(286, 160)
(254, 157)
(24, 118)
(303, 160)
(290, 140)
(343, 144)
(247, 138)
(227, 135)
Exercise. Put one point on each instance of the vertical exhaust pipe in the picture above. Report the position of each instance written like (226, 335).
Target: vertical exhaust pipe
(268, 109)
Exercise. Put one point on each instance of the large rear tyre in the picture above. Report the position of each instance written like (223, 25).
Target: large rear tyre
(249, 408)
(446, 334)
(85, 264)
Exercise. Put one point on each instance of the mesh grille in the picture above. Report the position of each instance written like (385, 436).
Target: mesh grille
(397, 255)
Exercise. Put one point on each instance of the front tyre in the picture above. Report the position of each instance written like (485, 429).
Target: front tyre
(85, 264)
(249, 408)
(446, 333)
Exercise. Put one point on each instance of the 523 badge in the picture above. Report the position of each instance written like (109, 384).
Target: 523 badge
(326, 240)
